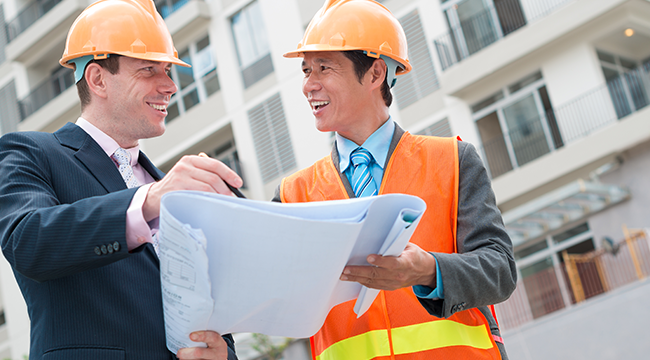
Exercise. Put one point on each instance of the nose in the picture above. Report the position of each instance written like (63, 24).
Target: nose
(167, 86)
(310, 84)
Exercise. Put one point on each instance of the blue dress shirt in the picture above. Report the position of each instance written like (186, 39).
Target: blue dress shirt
(377, 144)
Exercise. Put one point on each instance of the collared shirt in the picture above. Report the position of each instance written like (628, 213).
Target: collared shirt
(138, 231)
(378, 144)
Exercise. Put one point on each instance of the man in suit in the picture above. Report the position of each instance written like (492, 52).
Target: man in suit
(437, 293)
(77, 215)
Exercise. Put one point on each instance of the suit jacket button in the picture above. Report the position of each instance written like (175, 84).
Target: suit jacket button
(109, 248)
(97, 251)
(116, 246)
(104, 250)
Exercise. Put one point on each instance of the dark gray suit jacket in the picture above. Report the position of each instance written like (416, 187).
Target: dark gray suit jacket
(62, 224)
(483, 271)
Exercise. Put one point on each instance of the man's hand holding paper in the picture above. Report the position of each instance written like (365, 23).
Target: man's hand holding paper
(413, 266)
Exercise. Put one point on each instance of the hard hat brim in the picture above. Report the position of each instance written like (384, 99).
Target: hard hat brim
(300, 52)
(157, 57)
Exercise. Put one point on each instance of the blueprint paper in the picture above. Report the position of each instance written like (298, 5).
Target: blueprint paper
(267, 267)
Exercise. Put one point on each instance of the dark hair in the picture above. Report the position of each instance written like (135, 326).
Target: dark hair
(111, 63)
(362, 63)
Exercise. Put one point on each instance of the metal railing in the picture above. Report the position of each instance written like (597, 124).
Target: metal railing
(488, 26)
(574, 120)
(577, 278)
(28, 16)
(45, 92)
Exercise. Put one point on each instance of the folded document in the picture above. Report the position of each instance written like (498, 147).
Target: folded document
(237, 265)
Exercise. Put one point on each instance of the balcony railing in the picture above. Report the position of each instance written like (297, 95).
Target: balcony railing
(578, 277)
(488, 26)
(28, 16)
(602, 106)
(167, 7)
(45, 92)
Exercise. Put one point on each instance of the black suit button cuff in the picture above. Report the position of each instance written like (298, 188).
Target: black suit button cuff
(116, 246)
(97, 250)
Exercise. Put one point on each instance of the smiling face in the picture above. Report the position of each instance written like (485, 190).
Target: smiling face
(138, 95)
(339, 102)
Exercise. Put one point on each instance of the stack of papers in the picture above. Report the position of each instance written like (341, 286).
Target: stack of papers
(237, 265)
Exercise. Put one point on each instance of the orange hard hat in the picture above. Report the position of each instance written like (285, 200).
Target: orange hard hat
(343, 25)
(130, 28)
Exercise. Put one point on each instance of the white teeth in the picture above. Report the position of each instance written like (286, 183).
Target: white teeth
(158, 107)
(316, 104)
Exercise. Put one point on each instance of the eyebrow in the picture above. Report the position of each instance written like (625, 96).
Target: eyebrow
(319, 60)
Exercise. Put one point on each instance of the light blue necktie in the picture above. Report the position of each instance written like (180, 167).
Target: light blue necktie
(123, 159)
(362, 181)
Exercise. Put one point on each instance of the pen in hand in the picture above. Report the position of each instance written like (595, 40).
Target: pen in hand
(232, 188)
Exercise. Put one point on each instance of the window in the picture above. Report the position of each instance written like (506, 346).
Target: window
(271, 138)
(440, 128)
(543, 271)
(422, 80)
(227, 154)
(517, 125)
(626, 81)
(252, 44)
(197, 83)
(10, 114)
(167, 7)
(475, 24)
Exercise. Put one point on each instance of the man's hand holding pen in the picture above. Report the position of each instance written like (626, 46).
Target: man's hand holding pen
(191, 172)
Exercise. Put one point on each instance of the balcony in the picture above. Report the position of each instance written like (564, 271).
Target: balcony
(546, 287)
(538, 134)
(184, 17)
(474, 26)
(45, 92)
(41, 29)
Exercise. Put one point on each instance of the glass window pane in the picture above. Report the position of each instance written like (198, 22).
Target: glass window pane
(477, 25)
(191, 99)
(520, 254)
(561, 237)
(203, 43)
(627, 63)
(603, 56)
(172, 112)
(204, 62)
(524, 82)
(211, 82)
(525, 130)
(542, 287)
(250, 35)
(487, 102)
(185, 74)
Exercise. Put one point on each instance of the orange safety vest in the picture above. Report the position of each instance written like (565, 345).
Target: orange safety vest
(397, 326)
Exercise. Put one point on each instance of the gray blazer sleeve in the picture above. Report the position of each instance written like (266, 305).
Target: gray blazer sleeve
(483, 271)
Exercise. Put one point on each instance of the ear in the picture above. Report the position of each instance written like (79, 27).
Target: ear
(377, 73)
(96, 78)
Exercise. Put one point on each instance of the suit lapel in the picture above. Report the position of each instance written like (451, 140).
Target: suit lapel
(144, 161)
(89, 153)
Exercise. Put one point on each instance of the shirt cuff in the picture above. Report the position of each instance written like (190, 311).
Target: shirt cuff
(138, 231)
(425, 292)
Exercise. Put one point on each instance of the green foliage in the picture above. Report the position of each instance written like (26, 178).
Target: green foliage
(264, 345)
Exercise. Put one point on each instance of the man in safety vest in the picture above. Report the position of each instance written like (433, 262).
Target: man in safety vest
(438, 293)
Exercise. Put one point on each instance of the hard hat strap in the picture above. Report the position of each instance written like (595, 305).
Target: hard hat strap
(80, 66)
(391, 69)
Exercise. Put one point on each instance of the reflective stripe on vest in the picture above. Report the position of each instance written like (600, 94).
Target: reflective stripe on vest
(397, 326)
(409, 339)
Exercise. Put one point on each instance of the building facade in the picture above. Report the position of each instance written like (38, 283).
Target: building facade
(553, 94)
